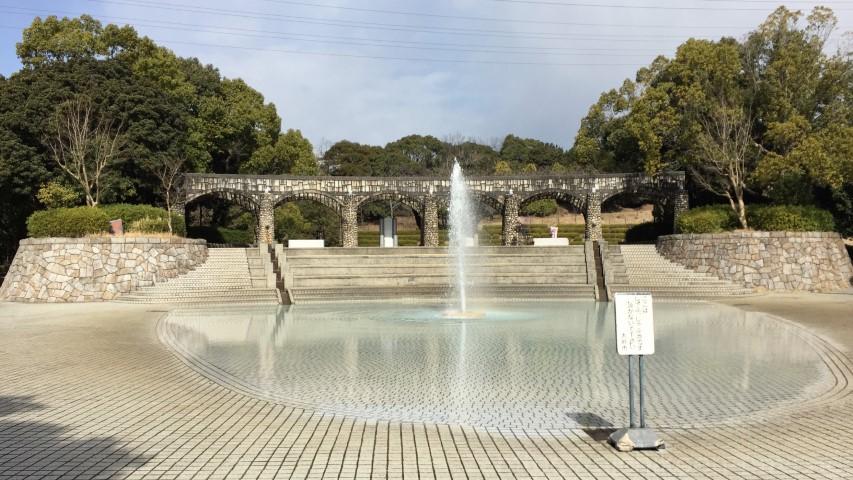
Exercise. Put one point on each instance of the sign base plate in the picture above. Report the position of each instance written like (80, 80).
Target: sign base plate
(627, 439)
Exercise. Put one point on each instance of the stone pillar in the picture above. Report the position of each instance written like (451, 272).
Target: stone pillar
(680, 204)
(349, 223)
(266, 219)
(510, 220)
(179, 206)
(592, 217)
(430, 222)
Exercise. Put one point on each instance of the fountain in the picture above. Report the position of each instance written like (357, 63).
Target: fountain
(461, 219)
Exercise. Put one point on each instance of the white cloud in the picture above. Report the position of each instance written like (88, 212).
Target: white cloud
(377, 101)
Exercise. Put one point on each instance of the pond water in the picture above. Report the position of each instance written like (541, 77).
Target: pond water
(531, 365)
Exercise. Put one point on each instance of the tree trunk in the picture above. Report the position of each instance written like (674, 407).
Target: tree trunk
(741, 212)
(739, 207)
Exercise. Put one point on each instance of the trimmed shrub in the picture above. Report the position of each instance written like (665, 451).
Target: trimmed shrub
(792, 218)
(130, 214)
(68, 222)
(708, 219)
(540, 208)
(56, 195)
(149, 225)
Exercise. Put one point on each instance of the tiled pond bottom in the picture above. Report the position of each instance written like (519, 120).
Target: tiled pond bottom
(543, 365)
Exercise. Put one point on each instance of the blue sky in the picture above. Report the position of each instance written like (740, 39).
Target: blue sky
(375, 70)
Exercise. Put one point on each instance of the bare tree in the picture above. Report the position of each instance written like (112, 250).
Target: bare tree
(725, 147)
(169, 172)
(84, 144)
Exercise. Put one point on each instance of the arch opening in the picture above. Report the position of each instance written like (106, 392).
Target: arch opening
(222, 217)
(404, 209)
(542, 210)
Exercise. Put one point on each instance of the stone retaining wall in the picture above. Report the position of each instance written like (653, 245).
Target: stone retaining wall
(47, 270)
(809, 261)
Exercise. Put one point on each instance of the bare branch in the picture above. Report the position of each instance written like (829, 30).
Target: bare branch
(82, 145)
(724, 146)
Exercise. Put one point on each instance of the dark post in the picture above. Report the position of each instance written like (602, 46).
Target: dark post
(640, 374)
(631, 422)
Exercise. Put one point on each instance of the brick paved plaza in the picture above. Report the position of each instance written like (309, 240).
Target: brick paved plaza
(89, 391)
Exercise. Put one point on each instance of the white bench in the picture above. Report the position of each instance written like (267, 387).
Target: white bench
(551, 242)
(306, 243)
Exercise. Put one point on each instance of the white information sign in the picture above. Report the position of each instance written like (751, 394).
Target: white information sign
(635, 328)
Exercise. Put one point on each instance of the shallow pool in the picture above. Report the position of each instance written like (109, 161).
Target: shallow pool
(531, 365)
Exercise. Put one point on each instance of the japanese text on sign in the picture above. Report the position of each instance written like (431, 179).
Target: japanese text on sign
(635, 329)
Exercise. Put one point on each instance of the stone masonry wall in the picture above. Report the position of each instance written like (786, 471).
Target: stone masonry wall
(809, 261)
(48, 270)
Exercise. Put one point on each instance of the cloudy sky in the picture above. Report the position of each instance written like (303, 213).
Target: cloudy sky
(375, 70)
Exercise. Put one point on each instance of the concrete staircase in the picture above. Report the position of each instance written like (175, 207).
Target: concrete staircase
(229, 276)
(642, 268)
(394, 274)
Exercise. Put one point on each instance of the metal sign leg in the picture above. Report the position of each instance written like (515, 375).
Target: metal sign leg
(631, 421)
(627, 439)
(640, 375)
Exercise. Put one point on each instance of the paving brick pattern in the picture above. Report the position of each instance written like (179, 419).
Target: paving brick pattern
(89, 392)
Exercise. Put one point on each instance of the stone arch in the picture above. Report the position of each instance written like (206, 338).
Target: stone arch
(416, 204)
(568, 197)
(413, 202)
(487, 199)
(666, 194)
(237, 197)
(248, 202)
(315, 195)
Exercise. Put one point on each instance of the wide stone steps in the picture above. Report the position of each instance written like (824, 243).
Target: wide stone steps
(505, 273)
(321, 280)
(437, 293)
(646, 270)
(438, 260)
(206, 297)
(229, 276)
(489, 269)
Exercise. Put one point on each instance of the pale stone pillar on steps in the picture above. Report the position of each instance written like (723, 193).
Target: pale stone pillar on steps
(430, 222)
(592, 217)
(266, 219)
(349, 223)
(510, 220)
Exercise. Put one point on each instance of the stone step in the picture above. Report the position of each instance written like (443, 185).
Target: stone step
(301, 270)
(434, 260)
(483, 250)
(641, 267)
(231, 275)
(439, 293)
(429, 279)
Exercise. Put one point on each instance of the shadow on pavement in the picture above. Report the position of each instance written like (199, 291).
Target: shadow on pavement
(30, 447)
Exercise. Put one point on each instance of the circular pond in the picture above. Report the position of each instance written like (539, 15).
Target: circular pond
(531, 365)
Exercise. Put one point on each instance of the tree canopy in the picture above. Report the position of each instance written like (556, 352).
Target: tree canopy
(166, 106)
(796, 99)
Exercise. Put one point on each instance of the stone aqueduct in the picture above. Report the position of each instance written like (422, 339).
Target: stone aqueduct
(425, 195)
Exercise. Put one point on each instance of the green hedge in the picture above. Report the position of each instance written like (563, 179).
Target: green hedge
(130, 214)
(68, 222)
(792, 218)
(708, 219)
(80, 221)
(540, 208)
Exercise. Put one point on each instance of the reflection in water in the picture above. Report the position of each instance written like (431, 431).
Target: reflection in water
(532, 365)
